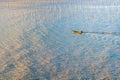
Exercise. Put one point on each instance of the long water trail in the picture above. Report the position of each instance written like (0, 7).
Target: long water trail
(104, 33)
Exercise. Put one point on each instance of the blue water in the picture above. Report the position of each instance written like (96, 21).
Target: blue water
(37, 43)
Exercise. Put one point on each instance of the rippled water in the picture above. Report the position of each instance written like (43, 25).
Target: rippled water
(37, 43)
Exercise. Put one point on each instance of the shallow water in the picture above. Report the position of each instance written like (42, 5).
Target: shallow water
(37, 43)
